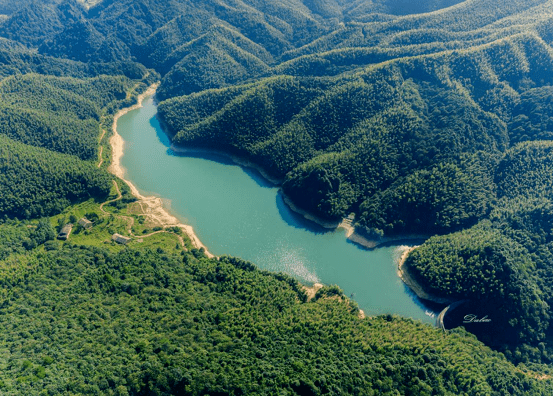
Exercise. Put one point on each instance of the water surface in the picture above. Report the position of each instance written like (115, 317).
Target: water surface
(235, 211)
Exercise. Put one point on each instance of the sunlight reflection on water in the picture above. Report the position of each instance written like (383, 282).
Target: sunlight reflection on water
(292, 262)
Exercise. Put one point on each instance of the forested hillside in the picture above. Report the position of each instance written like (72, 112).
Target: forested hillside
(420, 117)
(331, 137)
(169, 322)
(37, 182)
(60, 114)
(410, 123)
(504, 263)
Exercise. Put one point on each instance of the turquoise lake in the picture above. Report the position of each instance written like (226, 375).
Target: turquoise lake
(235, 211)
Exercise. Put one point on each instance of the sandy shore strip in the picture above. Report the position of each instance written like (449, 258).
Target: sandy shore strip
(409, 280)
(154, 205)
(116, 141)
(350, 230)
(311, 291)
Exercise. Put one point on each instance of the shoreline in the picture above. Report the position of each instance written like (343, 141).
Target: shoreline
(154, 204)
(344, 223)
(309, 216)
(240, 161)
(368, 243)
(349, 230)
(160, 214)
(311, 291)
(235, 159)
(409, 280)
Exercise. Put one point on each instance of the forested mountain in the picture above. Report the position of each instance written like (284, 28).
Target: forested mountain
(37, 182)
(420, 117)
(412, 113)
(61, 114)
(80, 41)
(35, 21)
(504, 262)
(52, 113)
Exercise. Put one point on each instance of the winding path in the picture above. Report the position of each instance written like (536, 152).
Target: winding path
(101, 148)
(101, 160)
(119, 196)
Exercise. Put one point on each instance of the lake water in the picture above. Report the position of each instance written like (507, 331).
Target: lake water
(235, 211)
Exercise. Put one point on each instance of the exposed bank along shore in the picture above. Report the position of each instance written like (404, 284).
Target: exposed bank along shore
(345, 224)
(154, 205)
(350, 230)
(403, 270)
(406, 276)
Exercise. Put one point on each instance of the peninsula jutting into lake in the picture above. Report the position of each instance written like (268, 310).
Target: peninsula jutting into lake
(285, 197)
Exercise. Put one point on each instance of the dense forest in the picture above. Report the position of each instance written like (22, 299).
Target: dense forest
(331, 136)
(36, 183)
(431, 117)
(414, 139)
(504, 262)
(58, 113)
(79, 320)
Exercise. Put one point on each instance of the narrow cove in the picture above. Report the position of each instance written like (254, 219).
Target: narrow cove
(235, 211)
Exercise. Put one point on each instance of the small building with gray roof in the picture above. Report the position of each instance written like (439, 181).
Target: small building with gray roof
(84, 222)
(65, 232)
(118, 238)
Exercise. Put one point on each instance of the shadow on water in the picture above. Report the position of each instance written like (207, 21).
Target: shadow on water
(288, 215)
(361, 246)
(160, 133)
(295, 219)
(207, 154)
(423, 303)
